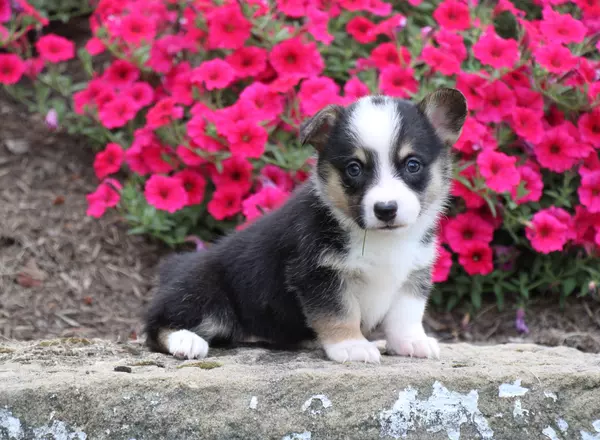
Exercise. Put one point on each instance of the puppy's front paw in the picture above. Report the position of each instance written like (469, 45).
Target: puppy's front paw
(423, 347)
(184, 344)
(353, 350)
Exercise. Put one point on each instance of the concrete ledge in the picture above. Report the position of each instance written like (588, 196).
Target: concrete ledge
(91, 389)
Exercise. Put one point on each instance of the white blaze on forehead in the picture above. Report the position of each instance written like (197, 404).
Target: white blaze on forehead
(376, 127)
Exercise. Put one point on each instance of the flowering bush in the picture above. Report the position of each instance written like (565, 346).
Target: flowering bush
(200, 102)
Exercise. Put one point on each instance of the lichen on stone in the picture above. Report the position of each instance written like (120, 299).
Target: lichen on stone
(205, 365)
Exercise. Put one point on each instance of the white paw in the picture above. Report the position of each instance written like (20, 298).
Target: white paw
(421, 347)
(353, 350)
(184, 344)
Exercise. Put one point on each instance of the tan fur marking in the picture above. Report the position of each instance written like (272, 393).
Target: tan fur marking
(405, 150)
(331, 331)
(361, 155)
(435, 189)
(335, 191)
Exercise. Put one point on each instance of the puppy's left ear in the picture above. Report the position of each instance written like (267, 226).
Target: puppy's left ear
(315, 130)
(446, 110)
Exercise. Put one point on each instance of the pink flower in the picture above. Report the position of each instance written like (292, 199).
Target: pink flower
(555, 58)
(589, 191)
(316, 93)
(236, 173)
(163, 113)
(498, 170)
(11, 68)
(274, 175)
(268, 103)
(227, 27)
(398, 81)
(136, 28)
(496, 52)
(247, 139)
(55, 49)
(121, 74)
(106, 196)
(386, 55)
(317, 25)
(117, 112)
(476, 258)
(466, 228)
(141, 93)
(193, 183)
(165, 193)
(453, 15)
(588, 124)
(294, 58)
(354, 89)
(109, 160)
(443, 265)
(267, 199)
(497, 102)
(94, 46)
(361, 29)
(556, 150)
(533, 185)
(527, 124)
(248, 61)
(561, 28)
(546, 233)
(226, 202)
(215, 74)
(5, 11)
(440, 60)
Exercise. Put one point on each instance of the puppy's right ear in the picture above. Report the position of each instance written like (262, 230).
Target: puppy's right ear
(315, 130)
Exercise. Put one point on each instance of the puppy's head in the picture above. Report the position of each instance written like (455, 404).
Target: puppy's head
(383, 162)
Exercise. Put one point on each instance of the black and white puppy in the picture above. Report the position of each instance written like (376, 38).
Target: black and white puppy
(350, 252)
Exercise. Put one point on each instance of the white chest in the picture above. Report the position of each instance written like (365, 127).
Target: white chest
(384, 266)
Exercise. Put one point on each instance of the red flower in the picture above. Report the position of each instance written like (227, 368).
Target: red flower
(294, 58)
(498, 102)
(387, 54)
(274, 175)
(440, 60)
(165, 193)
(467, 228)
(453, 15)
(247, 139)
(473, 200)
(292, 8)
(11, 68)
(248, 61)
(442, 266)
(117, 112)
(555, 58)
(226, 202)
(589, 191)
(317, 25)
(361, 29)
(533, 185)
(191, 156)
(527, 124)
(109, 160)
(546, 233)
(496, 52)
(498, 170)
(589, 126)
(316, 93)
(398, 81)
(5, 11)
(585, 225)
(354, 89)
(561, 28)
(196, 130)
(141, 93)
(215, 74)
(55, 49)
(106, 196)
(452, 43)
(94, 46)
(476, 258)
(268, 103)
(121, 74)
(557, 150)
(194, 184)
(267, 199)
(163, 113)
(237, 173)
(136, 28)
(470, 85)
(530, 99)
(227, 27)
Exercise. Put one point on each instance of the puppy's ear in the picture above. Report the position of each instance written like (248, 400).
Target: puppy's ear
(446, 110)
(315, 130)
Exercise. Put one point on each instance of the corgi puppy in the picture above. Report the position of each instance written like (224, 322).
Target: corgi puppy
(349, 253)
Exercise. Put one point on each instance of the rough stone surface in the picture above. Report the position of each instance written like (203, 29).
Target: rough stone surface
(71, 389)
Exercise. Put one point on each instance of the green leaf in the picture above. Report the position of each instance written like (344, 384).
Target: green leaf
(568, 286)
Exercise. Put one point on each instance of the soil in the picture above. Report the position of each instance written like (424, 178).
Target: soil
(63, 274)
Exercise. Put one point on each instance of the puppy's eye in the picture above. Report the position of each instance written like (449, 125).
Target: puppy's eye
(413, 166)
(354, 169)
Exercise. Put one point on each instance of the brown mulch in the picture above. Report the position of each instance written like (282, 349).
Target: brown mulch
(65, 274)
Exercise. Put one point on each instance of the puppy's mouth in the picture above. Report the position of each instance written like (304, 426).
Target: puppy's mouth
(389, 227)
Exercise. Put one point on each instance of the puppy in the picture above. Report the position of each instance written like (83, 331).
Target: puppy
(350, 252)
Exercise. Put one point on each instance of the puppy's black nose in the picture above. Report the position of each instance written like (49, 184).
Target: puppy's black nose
(386, 211)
